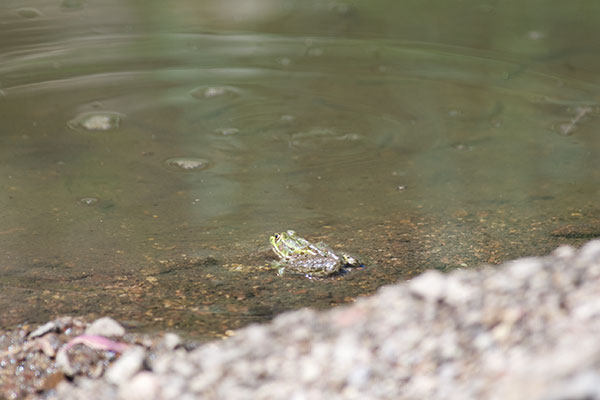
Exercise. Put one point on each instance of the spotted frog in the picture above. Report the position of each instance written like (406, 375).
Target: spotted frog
(298, 255)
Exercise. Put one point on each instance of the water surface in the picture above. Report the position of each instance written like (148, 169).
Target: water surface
(148, 150)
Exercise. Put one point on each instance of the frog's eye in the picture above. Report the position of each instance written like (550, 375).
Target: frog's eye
(276, 236)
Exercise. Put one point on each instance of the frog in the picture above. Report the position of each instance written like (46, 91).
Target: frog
(300, 256)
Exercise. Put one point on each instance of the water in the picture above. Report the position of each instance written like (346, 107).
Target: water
(148, 150)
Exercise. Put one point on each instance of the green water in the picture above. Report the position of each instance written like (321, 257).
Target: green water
(416, 135)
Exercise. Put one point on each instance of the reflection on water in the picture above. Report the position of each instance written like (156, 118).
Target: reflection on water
(149, 151)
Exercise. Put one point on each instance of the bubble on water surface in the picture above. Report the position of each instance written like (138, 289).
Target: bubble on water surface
(89, 200)
(227, 131)
(322, 135)
(187, 163)
(28, 12)
(209, 92)
(96, 121)
(462, 147)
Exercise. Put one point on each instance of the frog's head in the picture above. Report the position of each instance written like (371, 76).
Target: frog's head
(287, 244)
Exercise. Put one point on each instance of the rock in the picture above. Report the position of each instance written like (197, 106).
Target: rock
(590, 252)
(585, 385)
(143, 386)
(524, 268)
(131, 362)
(431, 286)
(171, 341)
(63, 363)
(107, 327)
(57, 325)
(458, 292)
(48, 344)
(563, 252)
(42, 330)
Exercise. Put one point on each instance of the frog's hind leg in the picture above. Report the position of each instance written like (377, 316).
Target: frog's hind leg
(349, 261)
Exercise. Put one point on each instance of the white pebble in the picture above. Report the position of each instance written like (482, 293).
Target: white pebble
(143, 386)
(105, 326)
(126, 366)
(431, 286)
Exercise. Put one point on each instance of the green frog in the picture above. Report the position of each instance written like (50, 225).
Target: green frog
(298, 255)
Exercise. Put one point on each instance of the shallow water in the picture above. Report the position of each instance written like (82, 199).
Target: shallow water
(149, 150)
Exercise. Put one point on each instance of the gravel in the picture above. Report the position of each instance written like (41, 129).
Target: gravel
(526, 330)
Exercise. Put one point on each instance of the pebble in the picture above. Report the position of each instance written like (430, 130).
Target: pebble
(42, 330)
(131, 362)
(430, 285)
(63, 363)
(105, 326)
(585, 385)
(171, 341)
(143, 386)
(590, 252)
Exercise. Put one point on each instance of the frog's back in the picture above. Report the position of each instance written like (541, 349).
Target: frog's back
(313, 266)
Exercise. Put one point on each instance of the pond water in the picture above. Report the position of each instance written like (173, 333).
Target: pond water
(149, 149)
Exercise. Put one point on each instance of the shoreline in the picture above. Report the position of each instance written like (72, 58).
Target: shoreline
(525, 329)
